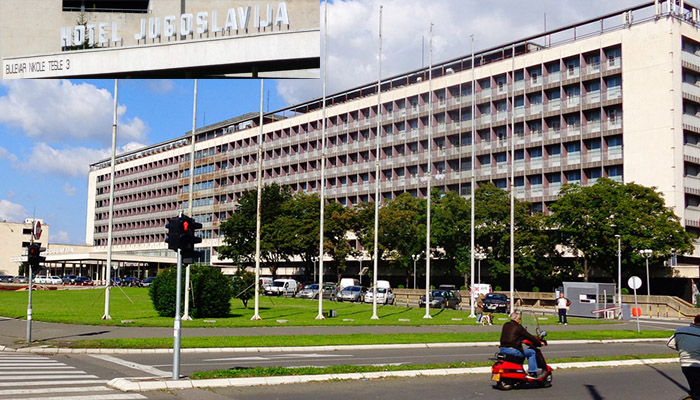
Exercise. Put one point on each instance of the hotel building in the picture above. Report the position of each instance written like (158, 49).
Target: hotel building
(616, 97)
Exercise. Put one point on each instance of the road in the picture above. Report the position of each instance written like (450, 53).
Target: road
(630, 383)
(122, 365)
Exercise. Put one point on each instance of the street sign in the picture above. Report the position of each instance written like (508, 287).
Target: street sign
(634, 282)
(36, 230)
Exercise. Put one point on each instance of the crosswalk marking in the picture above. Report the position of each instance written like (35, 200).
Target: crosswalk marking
(41, 378)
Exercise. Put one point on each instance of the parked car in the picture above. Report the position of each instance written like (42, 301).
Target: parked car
(496, 302)
(309, 291)
(21, 279)
(68, 279)
(283, 287)
(352, 293)
(49, 280)
(384, 296)
(441, 299)
(453, 289)
(265, 283)
(330, 291)
(131, 281)
(83, 281)
(147, 282)
(347, 282)
(7, 278)
(116, 281)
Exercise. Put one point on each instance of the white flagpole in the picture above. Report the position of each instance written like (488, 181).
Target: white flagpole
(256, 313)
(108, 272)
(376, 176)
(321, 226)
(186, 312)
(430, 175)
(471, 250)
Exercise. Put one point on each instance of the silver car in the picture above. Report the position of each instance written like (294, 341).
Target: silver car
(352, 293)
(309, 291)
(384, 296)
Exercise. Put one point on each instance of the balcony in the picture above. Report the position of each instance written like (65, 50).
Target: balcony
(613, 63)
(554, 161)
(535, 109)
(613, 93)
(536, 163)
(553, 105)
(691, 182)
(691, 150)
(592, 127)
(573, 101)
(519, 165)
(593, 97)
(614, 153)
(593, 156)
(573, 158)
(593, 68)
(553, 77)
(691, 89)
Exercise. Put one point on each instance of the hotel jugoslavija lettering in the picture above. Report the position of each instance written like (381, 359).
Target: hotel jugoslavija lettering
(236, 19)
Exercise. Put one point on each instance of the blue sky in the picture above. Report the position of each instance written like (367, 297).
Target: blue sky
(50, 131)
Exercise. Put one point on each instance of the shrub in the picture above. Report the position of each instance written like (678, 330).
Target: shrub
(497, 288)
(210, 292)
(462, 287)
(401, 287)
(535, 289)
(625, 291)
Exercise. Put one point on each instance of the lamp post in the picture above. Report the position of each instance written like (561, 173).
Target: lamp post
(415, 258)
(619, 273)
(646, 253)
(479, 257)
(313, 260)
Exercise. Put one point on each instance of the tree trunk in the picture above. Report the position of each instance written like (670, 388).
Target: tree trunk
(585, 269)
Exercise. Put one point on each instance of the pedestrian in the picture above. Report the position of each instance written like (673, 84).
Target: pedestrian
(686, 340)
(479, 308)
(562, 306)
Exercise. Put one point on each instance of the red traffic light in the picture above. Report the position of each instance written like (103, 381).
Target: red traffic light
(186, 226)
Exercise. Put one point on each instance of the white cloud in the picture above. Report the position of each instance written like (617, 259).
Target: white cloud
(61, 237)
(59, 110)
(12, 212)
(73, 161)
(69, 190)
(161, 86)
(6, 155)
(353, 42)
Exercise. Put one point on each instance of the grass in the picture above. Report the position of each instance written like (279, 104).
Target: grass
(342, 369)
(354, 339)
(86, 307)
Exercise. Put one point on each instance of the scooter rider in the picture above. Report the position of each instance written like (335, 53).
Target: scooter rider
(512, 336)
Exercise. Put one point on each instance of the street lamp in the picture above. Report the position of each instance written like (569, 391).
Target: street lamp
(646, 253)
(314, 259)
(415, 258)
(619, 273)
(479, 257)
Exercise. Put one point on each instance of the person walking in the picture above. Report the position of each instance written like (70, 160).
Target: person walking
(562, 306)
(479, 308)
(686, 340)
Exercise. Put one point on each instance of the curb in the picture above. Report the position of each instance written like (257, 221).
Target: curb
(147, 384)
(55, 350)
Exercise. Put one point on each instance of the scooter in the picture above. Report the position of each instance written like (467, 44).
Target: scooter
(508, 371)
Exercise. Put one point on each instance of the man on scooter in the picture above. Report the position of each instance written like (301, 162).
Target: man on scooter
(512, 336)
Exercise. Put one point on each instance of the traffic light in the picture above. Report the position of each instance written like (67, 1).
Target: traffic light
(189, 237)
(34, 258)
(174, 237)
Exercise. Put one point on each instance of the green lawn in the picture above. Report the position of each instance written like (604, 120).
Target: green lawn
(344, 369)
(87, 307)
(354, 339)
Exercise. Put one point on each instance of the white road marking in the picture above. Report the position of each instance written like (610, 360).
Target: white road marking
(115, 396)
(47, 372)
(8, 392)
(35, 367)
(43, 377)
(61, 382)
(280, 356)
(145, 368)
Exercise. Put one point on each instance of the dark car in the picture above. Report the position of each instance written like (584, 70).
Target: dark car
(83, 280)
(441, 299)
(116, 282)
(131, 281)
(453, 289)
(330, 291)
(496, 302)
(7, 278)
(147, 282)
(68, 279)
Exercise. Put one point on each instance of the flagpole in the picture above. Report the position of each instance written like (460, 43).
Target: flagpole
(471, 250)
(258, 214)
(430, 174)
(108, 271)
(376, 174)
(323, 167)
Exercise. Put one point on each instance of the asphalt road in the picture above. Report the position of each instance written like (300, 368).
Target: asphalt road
(120, 365)
(658, 382)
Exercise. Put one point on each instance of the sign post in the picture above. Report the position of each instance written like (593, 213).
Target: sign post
(635, 283)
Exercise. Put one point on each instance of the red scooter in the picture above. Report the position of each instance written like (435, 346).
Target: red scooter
(508, 371)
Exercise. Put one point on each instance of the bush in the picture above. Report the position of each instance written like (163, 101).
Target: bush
(625, 291)
(535, 289)
(462, 287)
(497, 289)
(401, 287)
(210, 292)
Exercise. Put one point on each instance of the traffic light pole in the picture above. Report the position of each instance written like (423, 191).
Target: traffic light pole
(178, 321)
(29, 307)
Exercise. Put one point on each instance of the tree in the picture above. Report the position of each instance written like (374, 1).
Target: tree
(239, 230)
(243, 285)
(402, 230)
(339, 221)
(300, 221)
(451, 231)
(211, 292)
(588, 218)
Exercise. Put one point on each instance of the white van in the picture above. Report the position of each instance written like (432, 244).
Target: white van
(480, 288)
(284, 287)
(345, 282)
(265, 282)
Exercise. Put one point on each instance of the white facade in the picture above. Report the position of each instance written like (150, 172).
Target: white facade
(622, 102)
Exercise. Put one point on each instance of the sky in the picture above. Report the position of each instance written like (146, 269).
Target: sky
(52, 130)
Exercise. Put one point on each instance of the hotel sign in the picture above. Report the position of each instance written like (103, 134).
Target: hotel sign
(232, 38)
(186, 24)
